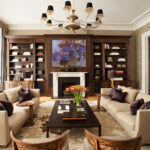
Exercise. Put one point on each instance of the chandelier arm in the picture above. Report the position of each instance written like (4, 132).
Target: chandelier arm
(56, 20)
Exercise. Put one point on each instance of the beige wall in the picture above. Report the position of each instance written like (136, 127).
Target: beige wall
(138, 33)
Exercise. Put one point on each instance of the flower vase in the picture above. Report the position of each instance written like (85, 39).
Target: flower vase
(78, 101)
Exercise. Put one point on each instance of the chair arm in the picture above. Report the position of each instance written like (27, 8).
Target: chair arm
(35, 92)
(4, 128)
(105, 91)
(143, 124)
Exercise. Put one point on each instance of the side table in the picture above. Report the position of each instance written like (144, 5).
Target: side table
(30, 105)
(98, 101)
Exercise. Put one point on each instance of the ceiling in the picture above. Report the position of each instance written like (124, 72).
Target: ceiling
(118, 14)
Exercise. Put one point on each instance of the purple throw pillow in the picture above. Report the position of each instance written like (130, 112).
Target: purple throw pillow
(25, 95)
(146, 105)
(136, 105)
(2, 107)
(112, 91)
(119, 96)
(8, 106)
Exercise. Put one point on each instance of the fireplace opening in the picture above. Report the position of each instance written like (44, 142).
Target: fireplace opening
(63, 83)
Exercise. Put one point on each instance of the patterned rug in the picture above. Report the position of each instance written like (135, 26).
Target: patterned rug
(109, 126)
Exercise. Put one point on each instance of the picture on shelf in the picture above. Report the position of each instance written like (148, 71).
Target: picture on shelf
(68, 53)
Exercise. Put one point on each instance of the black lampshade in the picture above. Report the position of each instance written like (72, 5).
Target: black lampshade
(44, 15)
(89, 5)
(49, 22)
(60, 25)
(100, 12)
(89, 25)
(67, 3)
(50, 8)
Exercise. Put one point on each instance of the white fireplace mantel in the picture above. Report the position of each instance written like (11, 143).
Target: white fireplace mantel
(56, 75)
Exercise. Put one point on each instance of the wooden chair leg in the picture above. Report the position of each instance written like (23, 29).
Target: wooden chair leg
(4, 146)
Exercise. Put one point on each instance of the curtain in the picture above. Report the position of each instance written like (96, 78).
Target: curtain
(1, 58)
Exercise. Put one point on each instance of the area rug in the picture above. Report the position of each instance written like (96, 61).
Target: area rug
(109, 126)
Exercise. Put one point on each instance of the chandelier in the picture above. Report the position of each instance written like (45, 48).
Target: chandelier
(72, 21)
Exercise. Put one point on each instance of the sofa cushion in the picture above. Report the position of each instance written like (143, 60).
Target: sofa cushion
(8, 106)
(127, 119)
(118, 95)
(118, 107)
(25, 95)
(136, 105)
(2, 107)
(112, 91)
(146, 105)
(17, 119)
(12, 94)
(143, 96)
(131, 94)
(35, 92)
(3, 96)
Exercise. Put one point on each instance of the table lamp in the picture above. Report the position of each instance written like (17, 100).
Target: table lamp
(111, 76)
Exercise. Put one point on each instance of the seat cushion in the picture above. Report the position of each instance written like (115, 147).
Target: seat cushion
(17, 119)
(127, 119)
(118, 107)
(3, 96)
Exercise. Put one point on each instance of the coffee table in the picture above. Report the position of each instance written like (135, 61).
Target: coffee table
(56, 121)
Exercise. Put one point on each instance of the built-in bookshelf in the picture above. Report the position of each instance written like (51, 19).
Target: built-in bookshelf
(40, 66)
(21, 65)
(109, 54)
(116, 60)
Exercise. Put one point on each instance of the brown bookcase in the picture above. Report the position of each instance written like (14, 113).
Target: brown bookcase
(20, 59)
(114, 56)
(40, 66)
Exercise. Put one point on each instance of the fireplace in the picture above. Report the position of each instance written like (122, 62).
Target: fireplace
(63, 83)
(69, 78)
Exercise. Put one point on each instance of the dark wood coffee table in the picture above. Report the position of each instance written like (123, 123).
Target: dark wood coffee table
(56, 121)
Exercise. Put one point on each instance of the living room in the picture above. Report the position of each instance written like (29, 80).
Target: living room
(49, 47)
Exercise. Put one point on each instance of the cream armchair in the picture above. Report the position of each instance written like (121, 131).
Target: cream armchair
(17, 119)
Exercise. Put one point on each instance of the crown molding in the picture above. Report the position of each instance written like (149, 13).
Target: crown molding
(141, 20)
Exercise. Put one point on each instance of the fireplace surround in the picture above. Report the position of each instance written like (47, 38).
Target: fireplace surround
(77, 78)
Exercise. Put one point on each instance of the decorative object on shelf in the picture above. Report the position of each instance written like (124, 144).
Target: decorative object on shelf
(26, 53)
(31, 46)
(72, 22)
(24, 59)
(15, 60)
(40, 54)
(111, 77)
(14, 53)
(78, 92)
(109, 59)
(114, 54)
(40, 59)
(40, 47)
(18, 76)
(121, 60)
(97, 53)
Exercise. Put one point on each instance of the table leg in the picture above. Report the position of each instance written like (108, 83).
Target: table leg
(47, 133)
(98, 102)
(31, 114)
(99, 130)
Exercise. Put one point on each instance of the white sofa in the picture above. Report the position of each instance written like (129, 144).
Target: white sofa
(18, 118)
(121, 112)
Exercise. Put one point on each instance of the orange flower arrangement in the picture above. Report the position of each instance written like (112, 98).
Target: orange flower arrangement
(78, 92)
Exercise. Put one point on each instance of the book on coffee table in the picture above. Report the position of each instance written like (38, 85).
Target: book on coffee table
(74, 115)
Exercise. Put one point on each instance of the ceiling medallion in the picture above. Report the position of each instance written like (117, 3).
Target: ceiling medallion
(72, 21)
